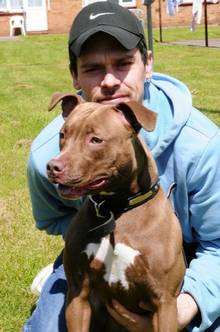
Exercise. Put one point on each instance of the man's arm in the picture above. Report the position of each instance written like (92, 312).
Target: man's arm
(200, 295)
(201, 280)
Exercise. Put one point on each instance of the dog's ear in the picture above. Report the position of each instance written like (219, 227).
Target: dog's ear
(69, 102)
(138, 116)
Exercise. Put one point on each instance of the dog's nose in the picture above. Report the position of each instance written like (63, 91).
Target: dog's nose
(55, 166)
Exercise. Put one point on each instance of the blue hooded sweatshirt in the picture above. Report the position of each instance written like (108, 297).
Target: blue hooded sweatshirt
(186, 147)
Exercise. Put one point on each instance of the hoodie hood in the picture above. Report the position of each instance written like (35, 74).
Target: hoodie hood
(172, 101)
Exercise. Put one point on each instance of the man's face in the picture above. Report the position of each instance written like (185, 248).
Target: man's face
(109, 74)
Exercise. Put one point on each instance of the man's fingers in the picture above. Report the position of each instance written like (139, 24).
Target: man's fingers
(120, 318)
(131, 321)
(123, 311)
(118, 307)
(145, 306)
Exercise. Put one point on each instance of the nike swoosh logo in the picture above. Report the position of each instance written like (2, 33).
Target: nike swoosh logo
(94, 16)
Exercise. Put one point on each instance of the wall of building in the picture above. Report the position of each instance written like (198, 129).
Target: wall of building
(4, 23)
(61, 14)
(184, 15)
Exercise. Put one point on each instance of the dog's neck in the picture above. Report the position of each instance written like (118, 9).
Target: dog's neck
(107, 210)
(142, 177)
(143, 187)
(145, 175)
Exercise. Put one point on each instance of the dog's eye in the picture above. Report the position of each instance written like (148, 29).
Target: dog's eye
(96, 140)
(61, 135)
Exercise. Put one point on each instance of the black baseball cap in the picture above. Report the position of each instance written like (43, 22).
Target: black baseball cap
(107, 17)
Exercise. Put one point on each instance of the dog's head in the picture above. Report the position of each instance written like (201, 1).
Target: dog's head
(97, 145)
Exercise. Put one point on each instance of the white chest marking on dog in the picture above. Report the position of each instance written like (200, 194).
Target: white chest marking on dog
(116, 261)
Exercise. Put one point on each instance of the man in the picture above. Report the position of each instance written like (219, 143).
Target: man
(109, 64)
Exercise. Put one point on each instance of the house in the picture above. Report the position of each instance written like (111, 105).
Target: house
(56, 16)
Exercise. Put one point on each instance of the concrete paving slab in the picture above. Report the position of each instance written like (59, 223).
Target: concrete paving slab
(6, 38)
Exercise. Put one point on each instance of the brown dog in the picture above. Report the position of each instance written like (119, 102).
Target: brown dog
(125, 243)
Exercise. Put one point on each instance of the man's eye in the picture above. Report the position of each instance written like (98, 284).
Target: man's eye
(91, 69)
(96, 140)
(125, 64)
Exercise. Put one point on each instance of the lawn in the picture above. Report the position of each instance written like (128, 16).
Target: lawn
(31, 69)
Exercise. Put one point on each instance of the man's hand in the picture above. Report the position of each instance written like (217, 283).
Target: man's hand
(186, 311)
(132, 322)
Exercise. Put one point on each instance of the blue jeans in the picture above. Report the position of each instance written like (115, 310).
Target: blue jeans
(49, 314)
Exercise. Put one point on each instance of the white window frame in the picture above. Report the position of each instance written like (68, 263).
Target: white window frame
(9, 9)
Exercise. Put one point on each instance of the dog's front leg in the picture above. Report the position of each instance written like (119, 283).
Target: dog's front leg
(78, 310)
(165, 318)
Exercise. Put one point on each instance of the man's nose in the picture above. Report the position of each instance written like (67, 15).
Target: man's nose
(110, 80)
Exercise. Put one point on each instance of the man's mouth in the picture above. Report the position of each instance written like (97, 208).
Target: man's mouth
(113, 100)
(76, 192)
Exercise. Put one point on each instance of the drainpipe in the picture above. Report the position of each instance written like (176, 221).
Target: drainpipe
(148, 4)
(206, 24)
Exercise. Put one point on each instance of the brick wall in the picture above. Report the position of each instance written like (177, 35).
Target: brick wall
(61, 15)
(184, 15)
(4, 23)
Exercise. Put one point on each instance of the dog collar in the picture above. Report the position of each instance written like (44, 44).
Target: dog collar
(106, 227)
(106, 210)
(142, 197)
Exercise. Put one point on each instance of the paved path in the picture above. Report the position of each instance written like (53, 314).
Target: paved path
(6, 38)
(211, 43)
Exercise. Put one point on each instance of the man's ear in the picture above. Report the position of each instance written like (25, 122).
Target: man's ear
(76, 84)
(69, 102)
(138, 116)
(149, 64)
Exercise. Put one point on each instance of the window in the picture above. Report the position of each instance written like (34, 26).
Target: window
(11, 5)
(190, 2)
(87, 2)
(16, 4)
(3, 5)
(127, 3)
(34, 3)
(123, 3)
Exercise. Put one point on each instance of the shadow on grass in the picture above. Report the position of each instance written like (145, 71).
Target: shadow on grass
(210, 111)
(213, 114)
(33, 307)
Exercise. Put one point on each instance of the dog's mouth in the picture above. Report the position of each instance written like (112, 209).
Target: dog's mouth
(73, 192)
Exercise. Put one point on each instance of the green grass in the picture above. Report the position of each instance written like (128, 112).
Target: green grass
(31, 69)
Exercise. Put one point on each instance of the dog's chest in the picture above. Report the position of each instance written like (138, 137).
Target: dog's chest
(115, 260)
